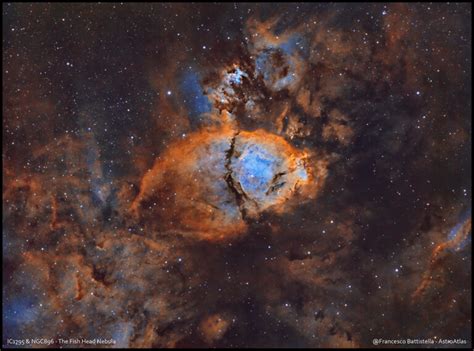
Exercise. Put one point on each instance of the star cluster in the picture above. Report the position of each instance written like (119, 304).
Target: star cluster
(236, 175)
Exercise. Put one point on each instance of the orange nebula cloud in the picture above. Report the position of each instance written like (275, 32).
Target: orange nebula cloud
(207, 184)
(437, 257)
(213, 327)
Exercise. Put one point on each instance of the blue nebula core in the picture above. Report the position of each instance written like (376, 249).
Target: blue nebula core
(255, 170)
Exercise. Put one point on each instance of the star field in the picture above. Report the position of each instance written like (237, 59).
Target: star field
(236, 175)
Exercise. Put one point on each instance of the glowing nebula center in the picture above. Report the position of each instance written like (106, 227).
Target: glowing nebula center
(217, 179)
(256, 170)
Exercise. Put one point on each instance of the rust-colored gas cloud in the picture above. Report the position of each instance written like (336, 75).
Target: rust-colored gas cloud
(236, 175)
(210, 181)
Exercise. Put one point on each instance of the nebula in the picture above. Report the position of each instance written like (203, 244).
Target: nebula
(217, 178)
(237, 175)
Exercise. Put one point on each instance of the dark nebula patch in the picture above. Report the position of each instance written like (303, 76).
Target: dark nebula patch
(236, 175)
